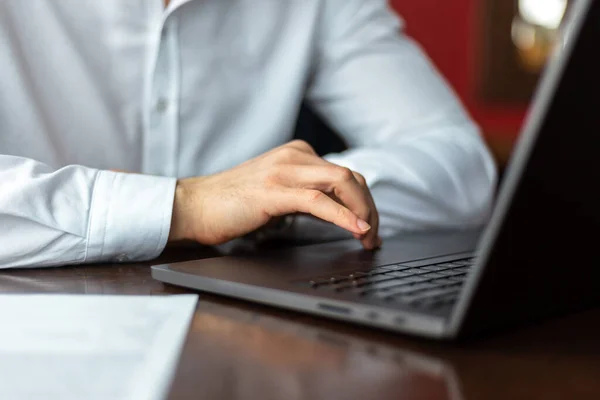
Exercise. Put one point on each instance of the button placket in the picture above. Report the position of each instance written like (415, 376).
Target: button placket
(162, 136)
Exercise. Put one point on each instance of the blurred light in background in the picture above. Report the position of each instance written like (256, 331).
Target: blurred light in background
(545, 13)
(536, 29)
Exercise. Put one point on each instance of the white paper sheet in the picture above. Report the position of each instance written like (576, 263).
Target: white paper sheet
(91, 347)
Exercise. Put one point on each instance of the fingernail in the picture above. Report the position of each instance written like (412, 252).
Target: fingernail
(362, 225)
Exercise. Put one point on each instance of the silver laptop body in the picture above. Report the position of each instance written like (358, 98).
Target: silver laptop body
(535, 259)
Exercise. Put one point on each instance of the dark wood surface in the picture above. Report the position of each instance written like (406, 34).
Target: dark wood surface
(238, 350)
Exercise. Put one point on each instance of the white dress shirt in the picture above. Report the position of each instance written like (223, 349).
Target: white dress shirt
(87, 86)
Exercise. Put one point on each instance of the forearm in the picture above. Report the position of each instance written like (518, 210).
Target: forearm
(79, 215)
(444, 178)
(421, 154)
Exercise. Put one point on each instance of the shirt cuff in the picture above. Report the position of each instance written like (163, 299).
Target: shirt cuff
(130, 217)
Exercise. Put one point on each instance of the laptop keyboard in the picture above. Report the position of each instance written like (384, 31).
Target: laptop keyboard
(428, 286)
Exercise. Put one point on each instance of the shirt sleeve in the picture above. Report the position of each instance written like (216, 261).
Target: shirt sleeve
(421, 154)
(80, 215)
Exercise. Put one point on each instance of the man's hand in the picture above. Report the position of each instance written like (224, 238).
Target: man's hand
(287, 180)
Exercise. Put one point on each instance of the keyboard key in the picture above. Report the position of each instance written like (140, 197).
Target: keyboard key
(442, 282)
(396, 286)
(397, 267)
(369, 280)
(403, 298)
(453, 272)
(377, 272)
(457, 278)
(401, 274)
(406, 289)
(432, 268)
(443, 267)
(421, 286)
(447, 265)
(385, 284)
(437, 292)
(411, 271)
(385, 288)
(362, 281)
(432, 275)
(414, 279)
(448, 272)
(463, 262)
(392, 294)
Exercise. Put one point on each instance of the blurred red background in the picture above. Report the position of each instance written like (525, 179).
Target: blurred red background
(450, 32)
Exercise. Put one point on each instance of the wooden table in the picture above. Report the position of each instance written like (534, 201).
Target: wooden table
(237, 350)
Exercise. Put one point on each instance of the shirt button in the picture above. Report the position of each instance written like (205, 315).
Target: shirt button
(162, 105)
(122, 258)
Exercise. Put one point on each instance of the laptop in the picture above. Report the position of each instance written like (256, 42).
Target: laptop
(537, 257)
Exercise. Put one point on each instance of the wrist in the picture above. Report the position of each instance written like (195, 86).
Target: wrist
(179, 230)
